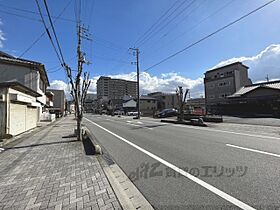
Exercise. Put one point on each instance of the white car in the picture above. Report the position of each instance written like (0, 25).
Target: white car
(133, 113)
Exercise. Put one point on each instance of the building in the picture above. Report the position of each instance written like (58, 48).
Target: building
(90, 102)
(165, 100)
(148, 105)
(222, 82)
(59, 102)
(261, 99)
(108, 88)
(18, 109)
(29, 73)
(196, 106)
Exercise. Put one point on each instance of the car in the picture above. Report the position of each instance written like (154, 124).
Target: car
(118, 112)
(167, 113)
(132, 113)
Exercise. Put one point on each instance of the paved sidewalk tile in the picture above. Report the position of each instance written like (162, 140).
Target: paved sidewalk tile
(46, 171)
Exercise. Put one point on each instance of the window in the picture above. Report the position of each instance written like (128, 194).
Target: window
(211, 86)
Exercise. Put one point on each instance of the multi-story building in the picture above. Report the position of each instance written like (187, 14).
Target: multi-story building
(222, 82)
(108, 88)
(165, 100)
(59, 102)
(90, 102)
(28, 73)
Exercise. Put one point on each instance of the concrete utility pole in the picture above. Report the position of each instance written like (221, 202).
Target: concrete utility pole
(136, 50)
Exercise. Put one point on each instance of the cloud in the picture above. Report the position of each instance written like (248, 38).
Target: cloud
(267, 62)
(61, 85)
(2, 37)
(148, 83)
(167, 82)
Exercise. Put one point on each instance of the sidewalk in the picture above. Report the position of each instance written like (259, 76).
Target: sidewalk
(47, 171)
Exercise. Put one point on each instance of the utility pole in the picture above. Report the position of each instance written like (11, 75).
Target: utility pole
(267, 78)
(80, 95)
(136, 50)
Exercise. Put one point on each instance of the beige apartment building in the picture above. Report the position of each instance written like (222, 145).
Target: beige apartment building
(108, 88)
(219, 83)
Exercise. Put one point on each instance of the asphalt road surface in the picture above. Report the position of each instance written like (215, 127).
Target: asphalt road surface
(185, 167)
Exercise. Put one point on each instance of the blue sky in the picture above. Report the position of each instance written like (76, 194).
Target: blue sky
(115, 25)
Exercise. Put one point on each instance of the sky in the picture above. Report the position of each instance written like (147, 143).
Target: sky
(117, 25)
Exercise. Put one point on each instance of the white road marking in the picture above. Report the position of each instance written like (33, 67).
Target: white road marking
(211, 188)
(231, 132)
(1, 149)
(253, 150)
(141, 126)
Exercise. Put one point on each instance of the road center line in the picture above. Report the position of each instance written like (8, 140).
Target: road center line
(211, 188)
(253, 150)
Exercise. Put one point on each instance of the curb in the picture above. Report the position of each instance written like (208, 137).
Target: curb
(193, 123)
(127, 193)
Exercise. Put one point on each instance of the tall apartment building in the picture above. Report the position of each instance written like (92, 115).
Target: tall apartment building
(108, 88)
(222, 82)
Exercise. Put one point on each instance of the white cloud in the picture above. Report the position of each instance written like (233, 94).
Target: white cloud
(267, 62)
(2, 37)
(61, 85)
(167, 82)
(148, 83)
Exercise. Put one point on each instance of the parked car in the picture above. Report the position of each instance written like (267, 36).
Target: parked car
(167, 113)
(133, 113)
(118, 112)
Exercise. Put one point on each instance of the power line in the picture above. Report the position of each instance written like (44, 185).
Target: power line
(212, 34)
(166, 24)
(36, 13)
(162, 27)
(56, 70)
(54, 32)
(49, 35)
(42, 34)
(157, 21)
(195, 26)
(21, 16)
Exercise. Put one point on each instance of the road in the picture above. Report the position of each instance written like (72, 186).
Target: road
(184, 167)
